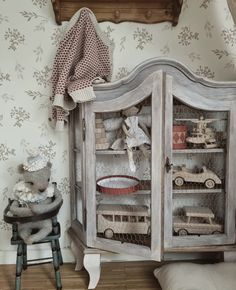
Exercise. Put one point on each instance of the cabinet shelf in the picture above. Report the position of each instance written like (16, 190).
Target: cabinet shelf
(110, 152)
(116, 152)
(200, 190)
(198, 151)
(175, 151)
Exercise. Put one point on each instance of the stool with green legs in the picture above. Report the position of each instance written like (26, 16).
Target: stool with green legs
(53, 238)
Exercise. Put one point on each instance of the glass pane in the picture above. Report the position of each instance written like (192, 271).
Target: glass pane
(78, 165)
(123, 173)
(199, 158)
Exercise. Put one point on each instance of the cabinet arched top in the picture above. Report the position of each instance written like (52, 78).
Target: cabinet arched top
(152, 85)
(184, 82)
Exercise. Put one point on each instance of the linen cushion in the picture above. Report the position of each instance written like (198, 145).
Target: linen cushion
(190, 276)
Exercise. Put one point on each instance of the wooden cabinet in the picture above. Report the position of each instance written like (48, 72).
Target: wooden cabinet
(186, 165)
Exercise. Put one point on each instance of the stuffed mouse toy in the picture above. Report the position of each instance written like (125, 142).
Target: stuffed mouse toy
(34, 195)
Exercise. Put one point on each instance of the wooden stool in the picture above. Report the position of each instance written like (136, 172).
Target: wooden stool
(52, 238)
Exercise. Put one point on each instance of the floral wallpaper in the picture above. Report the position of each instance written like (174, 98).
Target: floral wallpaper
(204, 40)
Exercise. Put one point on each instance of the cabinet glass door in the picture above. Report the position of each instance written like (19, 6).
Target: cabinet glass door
(78, 210)
(123, 174)
(196, 174)
(127, 137)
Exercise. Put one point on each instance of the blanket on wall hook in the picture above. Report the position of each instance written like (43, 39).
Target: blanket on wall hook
(84, 57)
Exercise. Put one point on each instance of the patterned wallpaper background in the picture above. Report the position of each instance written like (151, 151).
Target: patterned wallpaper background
(204, 40)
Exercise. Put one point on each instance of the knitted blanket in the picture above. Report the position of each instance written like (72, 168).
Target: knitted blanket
(84, 56)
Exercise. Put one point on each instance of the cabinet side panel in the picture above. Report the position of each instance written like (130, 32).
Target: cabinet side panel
(231, 177)
(72, 165)
(168, 154)
(90, 178)
(156, 167)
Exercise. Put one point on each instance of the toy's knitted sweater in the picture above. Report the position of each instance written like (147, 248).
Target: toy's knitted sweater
(84, 55)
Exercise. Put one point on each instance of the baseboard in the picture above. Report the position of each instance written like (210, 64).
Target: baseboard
(9, 257)
(40, 251)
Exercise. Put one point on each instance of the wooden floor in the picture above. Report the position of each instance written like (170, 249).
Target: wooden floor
(114, 276)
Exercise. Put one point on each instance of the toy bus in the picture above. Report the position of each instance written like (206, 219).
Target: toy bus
(122, 219)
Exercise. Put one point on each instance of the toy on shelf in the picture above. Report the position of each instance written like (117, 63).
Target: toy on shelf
(181, 174)
(135, 137)
(123, 219)
(196, 220)
(201, 135)
(118, 184)
(179, 136)
(101, 139)
(132, 132)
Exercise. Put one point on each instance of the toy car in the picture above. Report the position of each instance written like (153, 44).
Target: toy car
(204, 175)
(196, 220)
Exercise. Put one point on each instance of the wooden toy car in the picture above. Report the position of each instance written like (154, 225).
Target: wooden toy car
(198, 221)
(204, 175)
(122, 219)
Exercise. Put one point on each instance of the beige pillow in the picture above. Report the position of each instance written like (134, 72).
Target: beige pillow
(189, 276)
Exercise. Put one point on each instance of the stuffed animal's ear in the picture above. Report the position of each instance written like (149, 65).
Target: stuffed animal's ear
(21, 169)
(49, 164)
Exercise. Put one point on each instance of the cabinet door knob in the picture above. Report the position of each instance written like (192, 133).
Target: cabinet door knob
(168, 165)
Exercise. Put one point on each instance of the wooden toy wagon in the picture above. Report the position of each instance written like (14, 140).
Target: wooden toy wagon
(196, 220)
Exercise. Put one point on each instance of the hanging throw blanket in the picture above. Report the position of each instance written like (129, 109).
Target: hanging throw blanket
(84, 57)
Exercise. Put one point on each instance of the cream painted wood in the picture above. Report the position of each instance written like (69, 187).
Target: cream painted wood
(93, 267)
(72, 166)
(78, 254)
(76, 117)
(183, 78)
(156, 167)
(151, 86)
(88, 258)
(90, 174)
(168, 191)
(132, 97)
(201, 102)
(163, 78)
(83, 171)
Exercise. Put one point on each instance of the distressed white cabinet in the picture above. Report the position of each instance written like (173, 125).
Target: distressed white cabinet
(187, 172)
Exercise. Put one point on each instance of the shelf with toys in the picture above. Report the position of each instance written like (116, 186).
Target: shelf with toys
(198, 151)
(172, 129)
(199, 190)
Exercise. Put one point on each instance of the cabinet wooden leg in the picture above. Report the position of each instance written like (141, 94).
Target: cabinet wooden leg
(90, 261)
(79, 257)
(230, 256)
(93, 267)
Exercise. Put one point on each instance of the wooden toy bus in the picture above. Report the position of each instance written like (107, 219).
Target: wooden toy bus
(122, 219)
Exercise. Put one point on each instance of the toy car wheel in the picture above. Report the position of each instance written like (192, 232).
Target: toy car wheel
(108, 233)
(182, 232)
(179, 181)
(209, 183)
